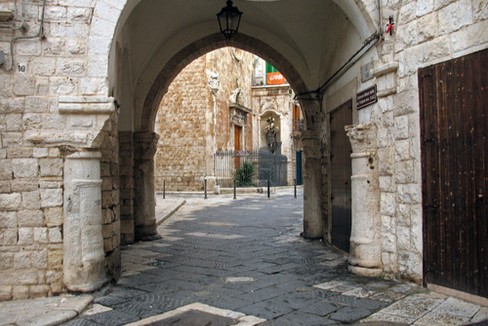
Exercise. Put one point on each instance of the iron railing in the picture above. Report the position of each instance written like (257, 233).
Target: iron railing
(267, 166)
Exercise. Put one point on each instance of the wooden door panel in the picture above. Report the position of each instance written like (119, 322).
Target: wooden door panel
(453, 103)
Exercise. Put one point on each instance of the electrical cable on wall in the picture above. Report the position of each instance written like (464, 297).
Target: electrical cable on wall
(19, 38)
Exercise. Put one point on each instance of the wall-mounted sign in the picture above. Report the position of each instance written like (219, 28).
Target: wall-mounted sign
(275, 78)
(366, 97)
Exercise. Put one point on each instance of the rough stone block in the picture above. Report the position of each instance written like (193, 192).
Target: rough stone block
(388, 204)
(40, 152)
(404, 172)
(455, 16)
(24, 85)
(6, 169)
(71, 67)
(79, 14)
(36, 104)
(55, 258)
(22, 260)
(386, 184)
(424, 7)
(409, 193)
(51, 197)
(51, 167)
(30, 218)
(8, 220)
(55, 235)
(5, 187)
(25, 185)
(10, 201)
(53, 216)
(63, 86)
(19, 152)
(13, 122)
(43, 66)
(39, 259)
(31, 200)
(39, 291)
(8, 237)
(5, 293)
(6, 260)
(41, 235)
(25, 168)
(20, 292)
(26, 236)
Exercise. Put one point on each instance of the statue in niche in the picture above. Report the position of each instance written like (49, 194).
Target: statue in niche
(234, 98)
(271, 134)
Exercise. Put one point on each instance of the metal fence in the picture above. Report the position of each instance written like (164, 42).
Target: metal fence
(267, 166)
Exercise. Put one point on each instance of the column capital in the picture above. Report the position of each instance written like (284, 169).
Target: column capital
(146, 144)
(362, 137)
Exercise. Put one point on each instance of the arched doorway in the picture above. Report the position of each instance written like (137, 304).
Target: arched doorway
(151, 46)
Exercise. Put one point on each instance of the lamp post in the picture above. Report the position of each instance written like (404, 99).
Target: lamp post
(229, 18)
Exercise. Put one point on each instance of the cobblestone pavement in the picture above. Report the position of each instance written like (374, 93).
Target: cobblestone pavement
(242, 262)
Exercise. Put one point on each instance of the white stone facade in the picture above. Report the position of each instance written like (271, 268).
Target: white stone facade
(77, 77)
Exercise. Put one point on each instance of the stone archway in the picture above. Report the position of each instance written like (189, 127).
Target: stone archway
(138, 93)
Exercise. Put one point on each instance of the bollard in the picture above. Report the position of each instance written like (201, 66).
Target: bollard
(269, 194)
(164, 189)
(205, 188)
(235, 197)
(295, 187)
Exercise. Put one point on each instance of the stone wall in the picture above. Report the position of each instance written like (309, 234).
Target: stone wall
(52, 104)
(193, 120)
(427, 32)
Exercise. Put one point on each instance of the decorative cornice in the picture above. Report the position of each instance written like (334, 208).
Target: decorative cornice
(86, 105)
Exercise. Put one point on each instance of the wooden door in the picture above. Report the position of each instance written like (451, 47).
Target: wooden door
(237, 145)
(340, 157)
(454, 130)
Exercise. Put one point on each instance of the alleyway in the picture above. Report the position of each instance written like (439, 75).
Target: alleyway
(246, 256)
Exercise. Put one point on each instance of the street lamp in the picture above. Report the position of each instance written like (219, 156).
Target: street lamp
(229, 18)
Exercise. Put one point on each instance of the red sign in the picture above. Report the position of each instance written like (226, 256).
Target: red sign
(275, 78)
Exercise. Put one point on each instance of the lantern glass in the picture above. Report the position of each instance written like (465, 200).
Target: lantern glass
(229, 19)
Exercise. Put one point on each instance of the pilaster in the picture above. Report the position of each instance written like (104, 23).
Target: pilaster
(313, 224)
(365, 253)
(145, 146)
(84, 257)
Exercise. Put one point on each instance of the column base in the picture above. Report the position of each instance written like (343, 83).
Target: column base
(365, 271)
(364, 267)
(147, 233)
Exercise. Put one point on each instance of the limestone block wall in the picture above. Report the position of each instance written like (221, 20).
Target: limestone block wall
(193, 119)
(53, 103)
(427, 32)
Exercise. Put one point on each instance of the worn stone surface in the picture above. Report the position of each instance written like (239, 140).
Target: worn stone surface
(288, 280)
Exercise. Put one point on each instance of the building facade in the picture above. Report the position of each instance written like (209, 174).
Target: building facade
(206, 110)
(81, 83)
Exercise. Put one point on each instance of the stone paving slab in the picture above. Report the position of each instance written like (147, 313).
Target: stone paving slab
(43, 311)
(245, 256)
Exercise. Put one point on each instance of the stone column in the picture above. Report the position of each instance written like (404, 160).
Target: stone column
(145, 146)
(365, 253)
(313, 224)
(84, 258)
